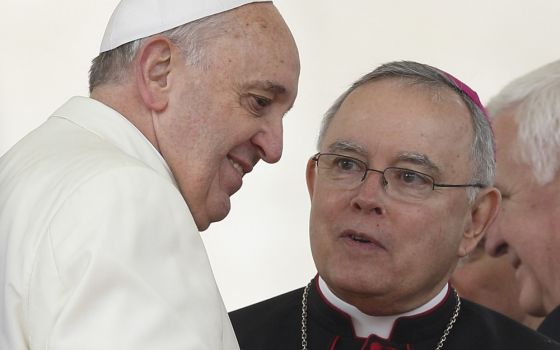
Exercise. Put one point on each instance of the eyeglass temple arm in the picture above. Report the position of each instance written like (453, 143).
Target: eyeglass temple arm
(464, 185)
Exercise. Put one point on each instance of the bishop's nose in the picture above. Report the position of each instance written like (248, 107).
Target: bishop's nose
(370, 194)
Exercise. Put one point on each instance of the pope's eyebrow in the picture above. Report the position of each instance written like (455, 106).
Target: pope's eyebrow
(419, 159)
(268, 85)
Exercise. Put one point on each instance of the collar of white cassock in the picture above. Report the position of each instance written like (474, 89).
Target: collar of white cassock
(364, 324)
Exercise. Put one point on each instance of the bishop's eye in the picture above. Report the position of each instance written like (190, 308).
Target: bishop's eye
(347, 164)
(411, 177)
(406, 177)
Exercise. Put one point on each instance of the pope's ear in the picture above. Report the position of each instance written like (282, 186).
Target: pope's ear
(482, 214)
(152, 69)
(310, 176)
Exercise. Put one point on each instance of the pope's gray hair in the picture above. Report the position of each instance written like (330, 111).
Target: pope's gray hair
(482, 151)
(534, 100)
(113, 66)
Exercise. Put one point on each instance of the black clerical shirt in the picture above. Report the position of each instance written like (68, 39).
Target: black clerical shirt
(275, 324)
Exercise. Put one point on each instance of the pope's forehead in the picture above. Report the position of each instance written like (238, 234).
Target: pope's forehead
(257, 17)
(258, 31)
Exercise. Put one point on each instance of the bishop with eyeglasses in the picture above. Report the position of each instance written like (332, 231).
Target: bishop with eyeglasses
(401, 189)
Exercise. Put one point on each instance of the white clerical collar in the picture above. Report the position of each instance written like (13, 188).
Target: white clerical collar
(365, 325)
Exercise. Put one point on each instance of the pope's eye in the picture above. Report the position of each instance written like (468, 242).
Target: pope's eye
(259, 102)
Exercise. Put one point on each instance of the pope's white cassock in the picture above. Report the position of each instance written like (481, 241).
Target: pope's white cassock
(98, 249)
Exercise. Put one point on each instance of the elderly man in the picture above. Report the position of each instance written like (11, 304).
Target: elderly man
(490, 282)
(527, 125)
(102, 204)
(400, 190)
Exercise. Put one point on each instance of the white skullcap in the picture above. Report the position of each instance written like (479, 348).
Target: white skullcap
(136, 19)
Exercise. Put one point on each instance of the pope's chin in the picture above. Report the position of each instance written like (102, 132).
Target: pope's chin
(218, 202)
(218, 209)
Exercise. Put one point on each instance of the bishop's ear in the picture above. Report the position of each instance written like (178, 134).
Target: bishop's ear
(152, 69)
(310, 176)
(483, 213)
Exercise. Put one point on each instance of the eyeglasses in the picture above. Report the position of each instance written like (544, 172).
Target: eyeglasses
(348, 172)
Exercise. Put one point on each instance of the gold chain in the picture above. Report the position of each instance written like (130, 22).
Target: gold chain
(304, 319)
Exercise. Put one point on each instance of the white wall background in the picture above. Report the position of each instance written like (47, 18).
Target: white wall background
(261, 249)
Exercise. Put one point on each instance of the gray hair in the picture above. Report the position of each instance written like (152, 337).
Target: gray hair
(482, 151)
(536, 99)
(113, 66)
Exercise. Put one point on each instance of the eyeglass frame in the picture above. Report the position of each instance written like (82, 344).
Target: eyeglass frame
(316, 156)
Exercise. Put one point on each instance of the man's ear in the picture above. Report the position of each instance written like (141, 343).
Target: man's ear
(482, 215)
(310, 175)
(153, 65)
